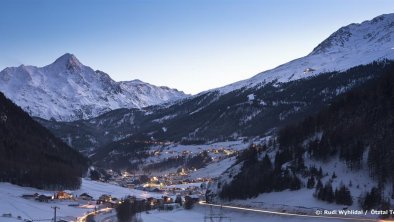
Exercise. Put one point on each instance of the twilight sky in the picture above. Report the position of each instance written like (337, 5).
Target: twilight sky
(191, 45)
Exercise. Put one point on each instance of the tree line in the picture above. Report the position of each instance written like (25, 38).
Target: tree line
(32, 156)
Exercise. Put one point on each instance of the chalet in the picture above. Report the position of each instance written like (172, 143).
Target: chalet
(111, 204)
(43, 198)
(115, 199)
(85, 196)
(195, 198)
(104, 198)
(130, 185)
(63, 195)
(30, 196)
(152, 201)
(168, 200)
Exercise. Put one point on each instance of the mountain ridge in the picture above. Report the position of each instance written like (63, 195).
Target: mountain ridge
(369, 40)
(249, 109)
(67, 90)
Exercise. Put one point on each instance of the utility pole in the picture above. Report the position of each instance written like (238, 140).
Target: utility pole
(54, 208)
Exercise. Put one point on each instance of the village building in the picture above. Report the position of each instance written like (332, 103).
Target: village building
(44, 198)
(30, 196)
(86, 197)
(63, 195)
(104, 199)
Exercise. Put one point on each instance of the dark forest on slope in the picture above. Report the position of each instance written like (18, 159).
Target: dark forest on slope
(358, 121)
(32, 156)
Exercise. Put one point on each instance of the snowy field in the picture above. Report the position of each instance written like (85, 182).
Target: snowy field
(174, 150)
(198, 213)
(213, 170)
(202, 213)
(220, 162)
(12, 202)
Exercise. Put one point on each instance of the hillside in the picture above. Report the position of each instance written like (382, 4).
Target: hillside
(324, 153)
(360, 121)
(32, 156)
(244, 113)
(349, 46)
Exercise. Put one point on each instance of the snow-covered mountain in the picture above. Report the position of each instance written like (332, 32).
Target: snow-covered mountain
(350, 46)
(268, 101)
(68, 90)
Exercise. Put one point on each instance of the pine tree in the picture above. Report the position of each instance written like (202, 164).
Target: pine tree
(333, 175)
(311, 182)
(188, 204)
(329, 193)
(343, 196)
(266, 163)
(319, 184)
(320, 173)
(371, 199)
(178, 200)
(125, 211)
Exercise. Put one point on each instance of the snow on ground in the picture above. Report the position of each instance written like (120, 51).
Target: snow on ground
(214, 169)
(299, 200)
(350, 46)
(12, 202)
(68, 90)
(198, 213)
(302, 201)
(96, 189)
(174, 150)
(184, 186)
(359, 179)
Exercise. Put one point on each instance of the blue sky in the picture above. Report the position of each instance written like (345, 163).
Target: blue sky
(192, 45)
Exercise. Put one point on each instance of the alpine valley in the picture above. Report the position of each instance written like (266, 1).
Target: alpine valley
(318, 129)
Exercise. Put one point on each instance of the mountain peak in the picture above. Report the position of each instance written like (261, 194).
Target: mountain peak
(137, 81)
(349, 46)
(67, 90)
(374, 31)
(69, 60)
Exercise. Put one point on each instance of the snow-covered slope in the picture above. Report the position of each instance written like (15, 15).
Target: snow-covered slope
(146, 94)
(67, 90)
(13, 203)
(350, 46)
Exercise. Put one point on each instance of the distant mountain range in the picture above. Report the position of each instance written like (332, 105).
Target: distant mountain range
(249, 108)
(67, 90)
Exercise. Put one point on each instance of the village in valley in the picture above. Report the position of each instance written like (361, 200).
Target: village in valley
(149, 196)
(159, 187)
